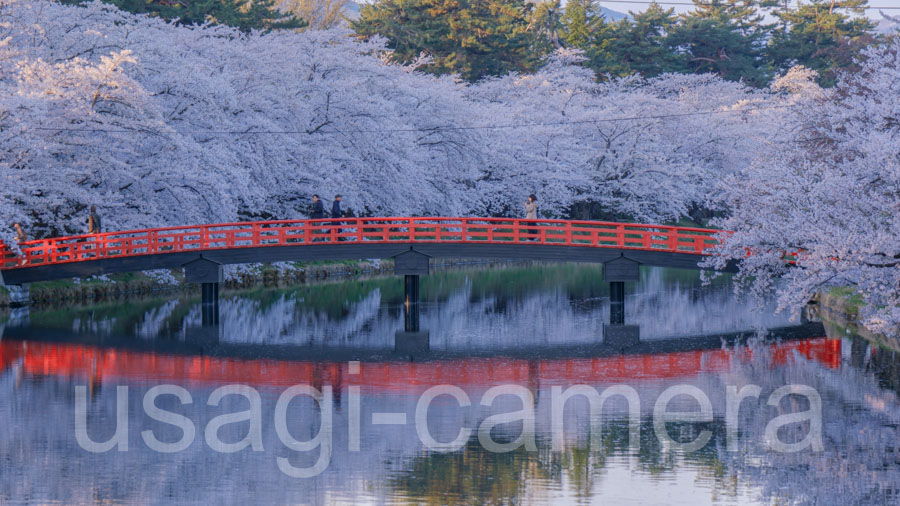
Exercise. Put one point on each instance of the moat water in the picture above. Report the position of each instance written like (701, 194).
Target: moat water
(336, 398)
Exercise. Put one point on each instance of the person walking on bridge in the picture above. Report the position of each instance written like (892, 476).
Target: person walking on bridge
(318, 210)
(531, 212)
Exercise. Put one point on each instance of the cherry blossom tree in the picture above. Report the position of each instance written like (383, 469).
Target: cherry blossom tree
(829, 191)
(162, 124)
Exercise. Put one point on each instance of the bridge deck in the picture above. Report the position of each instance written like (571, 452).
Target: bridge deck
(286, 240)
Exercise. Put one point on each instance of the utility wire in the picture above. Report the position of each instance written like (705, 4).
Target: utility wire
(663, 2)
(423, 130)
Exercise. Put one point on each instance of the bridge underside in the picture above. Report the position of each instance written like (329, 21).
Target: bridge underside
(350, 251)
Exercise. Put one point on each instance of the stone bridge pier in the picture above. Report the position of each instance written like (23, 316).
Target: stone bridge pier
(209, 275)
(411, 265)
(617, 272)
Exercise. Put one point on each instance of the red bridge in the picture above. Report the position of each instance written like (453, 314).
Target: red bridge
(355, 238)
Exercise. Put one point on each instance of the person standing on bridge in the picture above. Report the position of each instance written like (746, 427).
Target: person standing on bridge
(318, 212)
(94, 224)
(336, 213)
(94, 221)
(21, 237)
(531, 212)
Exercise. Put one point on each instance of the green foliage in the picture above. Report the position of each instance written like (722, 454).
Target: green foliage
(474, 38)
(640, 46)
(245, 15)
(545, 26)
(724, 37)
(729, 38)
(821, 35)
(580, 23)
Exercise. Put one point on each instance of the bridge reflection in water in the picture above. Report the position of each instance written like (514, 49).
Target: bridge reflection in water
(103, 364)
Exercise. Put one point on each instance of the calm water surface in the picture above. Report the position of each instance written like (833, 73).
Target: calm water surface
(528, 330)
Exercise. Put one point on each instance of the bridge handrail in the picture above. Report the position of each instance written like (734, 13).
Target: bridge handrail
(194, 238)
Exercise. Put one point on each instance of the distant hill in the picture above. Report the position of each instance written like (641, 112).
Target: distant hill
(351, 10)
(611, 15)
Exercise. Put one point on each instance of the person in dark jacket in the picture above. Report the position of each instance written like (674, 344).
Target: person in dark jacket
(336, 213)
(318, 211)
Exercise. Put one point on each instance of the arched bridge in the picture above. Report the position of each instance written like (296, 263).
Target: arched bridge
(203, 249)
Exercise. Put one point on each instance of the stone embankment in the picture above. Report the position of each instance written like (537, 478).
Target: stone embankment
(839, 312)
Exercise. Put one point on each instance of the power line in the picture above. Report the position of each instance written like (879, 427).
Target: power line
(422, 130)
(691, 4)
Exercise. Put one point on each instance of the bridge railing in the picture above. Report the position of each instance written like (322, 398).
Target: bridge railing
(357, 230)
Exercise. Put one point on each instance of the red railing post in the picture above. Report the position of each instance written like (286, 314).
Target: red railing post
(359, 229)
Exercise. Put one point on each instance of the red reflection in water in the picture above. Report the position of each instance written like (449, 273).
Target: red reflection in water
(105, 365)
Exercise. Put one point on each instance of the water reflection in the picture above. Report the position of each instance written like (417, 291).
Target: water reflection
(273, 340)
(518, 308)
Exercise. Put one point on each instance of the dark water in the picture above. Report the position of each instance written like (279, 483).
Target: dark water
(504, 341)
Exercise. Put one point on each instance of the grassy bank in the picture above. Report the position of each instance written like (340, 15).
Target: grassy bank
(66, 291)
(113, 286)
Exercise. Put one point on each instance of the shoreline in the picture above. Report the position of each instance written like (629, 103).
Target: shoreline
(70, 292)
(838, 312)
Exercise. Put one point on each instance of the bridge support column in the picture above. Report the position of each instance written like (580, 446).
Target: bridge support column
(617, 303)
(209, 275)
(411, 303)
(411, 265)
(209, 303)
(617, 271)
